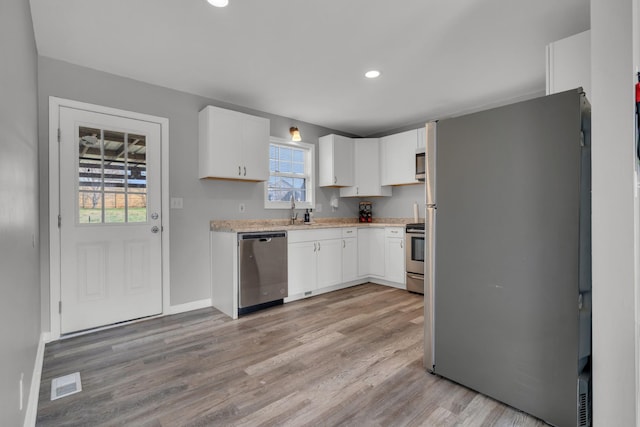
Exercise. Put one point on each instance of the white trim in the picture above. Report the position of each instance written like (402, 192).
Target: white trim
(54, 200)
(189, 306)
(34, 390)
(311, 184)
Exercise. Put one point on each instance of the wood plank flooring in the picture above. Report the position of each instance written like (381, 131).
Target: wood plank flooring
(347, 358)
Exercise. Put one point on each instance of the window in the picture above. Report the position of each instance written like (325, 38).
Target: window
(290, 174)
(112, 176)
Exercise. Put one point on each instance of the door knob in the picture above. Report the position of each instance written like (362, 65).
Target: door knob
(155, 229)
(154, 215)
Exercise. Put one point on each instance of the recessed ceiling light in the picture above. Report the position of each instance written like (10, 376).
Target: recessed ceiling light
(372, 74)
(218, 3)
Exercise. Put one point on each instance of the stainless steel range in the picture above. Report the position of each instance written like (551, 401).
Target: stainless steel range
(414, 257)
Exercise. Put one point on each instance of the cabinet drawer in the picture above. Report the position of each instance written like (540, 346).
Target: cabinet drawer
(295, 236)
(394, 231)
(349, 232)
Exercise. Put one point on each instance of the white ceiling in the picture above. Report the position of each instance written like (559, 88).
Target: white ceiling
(305, 59)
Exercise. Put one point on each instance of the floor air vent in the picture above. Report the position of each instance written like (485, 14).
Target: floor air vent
(65, 386)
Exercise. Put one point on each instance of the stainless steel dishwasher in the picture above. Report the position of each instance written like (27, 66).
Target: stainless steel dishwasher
(263, 279)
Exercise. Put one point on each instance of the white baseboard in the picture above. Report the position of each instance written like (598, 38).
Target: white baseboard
(188, 306)
(34, 391)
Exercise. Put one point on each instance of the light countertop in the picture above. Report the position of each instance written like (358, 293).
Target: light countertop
(239, 226)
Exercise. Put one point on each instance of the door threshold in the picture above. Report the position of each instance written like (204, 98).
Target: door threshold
(107, 327)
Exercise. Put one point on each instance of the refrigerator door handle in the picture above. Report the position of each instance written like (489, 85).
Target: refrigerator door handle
(429, 291)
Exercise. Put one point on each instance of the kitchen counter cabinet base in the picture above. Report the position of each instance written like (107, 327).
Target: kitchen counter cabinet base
(224, 275)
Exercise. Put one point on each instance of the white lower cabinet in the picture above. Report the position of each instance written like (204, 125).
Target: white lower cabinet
(349, 254)
(322, 260)
(394, 255)
(314, 260)
(329, 262)
(371, 259)
(302, 267)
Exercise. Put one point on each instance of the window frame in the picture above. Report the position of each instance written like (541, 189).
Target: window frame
(309, 175)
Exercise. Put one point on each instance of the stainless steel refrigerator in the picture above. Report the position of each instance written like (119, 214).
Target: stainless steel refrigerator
(508, 265)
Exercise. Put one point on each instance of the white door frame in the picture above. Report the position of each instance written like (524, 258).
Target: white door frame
(54, 200)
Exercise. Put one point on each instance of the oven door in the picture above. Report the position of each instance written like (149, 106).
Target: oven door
(415, 252)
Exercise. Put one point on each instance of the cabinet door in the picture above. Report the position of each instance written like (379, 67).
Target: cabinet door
(302, 268)
(349, 259)
(364, 239)
(376, 252)
(329, 262)
(336, 161)
(219, 144)
(255, 148)
(394, 260)
(398, 157)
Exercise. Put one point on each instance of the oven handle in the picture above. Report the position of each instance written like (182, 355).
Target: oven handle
(415, 232)
(413, 276)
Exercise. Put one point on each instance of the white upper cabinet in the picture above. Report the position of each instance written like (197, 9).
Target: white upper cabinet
(569, 64)
(367, 170)
(233, 145)
(336, 161)
(398, 158)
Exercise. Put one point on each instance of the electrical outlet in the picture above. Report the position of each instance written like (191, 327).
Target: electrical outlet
(241, 207)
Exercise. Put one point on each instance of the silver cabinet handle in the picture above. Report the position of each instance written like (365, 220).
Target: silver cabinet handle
(315, 247)
(155, 229)
(245, 171)
(335, 179)
(239, 171)
(344, 243)
(318, 246)
(401, 244)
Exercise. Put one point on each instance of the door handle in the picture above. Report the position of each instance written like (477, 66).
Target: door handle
(318, 246)
(245, 171)
(155, 229)
(239, 171)
(154, 215)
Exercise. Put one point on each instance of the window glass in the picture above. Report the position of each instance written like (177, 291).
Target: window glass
(290, 174)
(112, 177)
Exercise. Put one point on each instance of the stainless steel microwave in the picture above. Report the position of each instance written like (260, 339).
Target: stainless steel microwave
(421, 162)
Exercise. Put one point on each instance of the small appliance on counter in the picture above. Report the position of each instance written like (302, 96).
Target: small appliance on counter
(365, 213)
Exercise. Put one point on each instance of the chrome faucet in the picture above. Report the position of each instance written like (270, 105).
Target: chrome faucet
(294, 214)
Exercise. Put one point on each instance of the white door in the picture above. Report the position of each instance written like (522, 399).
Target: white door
(110, 223)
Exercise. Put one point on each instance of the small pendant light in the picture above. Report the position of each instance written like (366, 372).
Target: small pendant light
(295, 134)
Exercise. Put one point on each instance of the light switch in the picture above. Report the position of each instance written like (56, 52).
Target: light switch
(176, 203)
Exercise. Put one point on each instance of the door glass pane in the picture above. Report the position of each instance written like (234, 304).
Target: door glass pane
(112, 177)
(136, 167)
(115, 156)
(90, 184)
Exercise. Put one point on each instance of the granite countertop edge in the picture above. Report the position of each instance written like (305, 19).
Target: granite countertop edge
(251, 225)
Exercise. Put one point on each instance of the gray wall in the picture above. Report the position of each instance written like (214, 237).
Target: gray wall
(19, 257)
(204, 200)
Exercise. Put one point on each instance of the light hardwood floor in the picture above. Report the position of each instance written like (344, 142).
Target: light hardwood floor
(347, 358)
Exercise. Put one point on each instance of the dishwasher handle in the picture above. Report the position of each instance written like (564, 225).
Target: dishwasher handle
(263, 237)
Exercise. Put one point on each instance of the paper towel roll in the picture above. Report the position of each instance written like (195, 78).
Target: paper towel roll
(415, 212)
